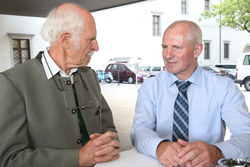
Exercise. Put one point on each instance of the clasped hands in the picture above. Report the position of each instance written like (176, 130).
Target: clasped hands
(100, 148)
(182, 153)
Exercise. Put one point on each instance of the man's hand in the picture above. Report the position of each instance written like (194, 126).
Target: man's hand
(167, 153)
(100, 148)
(198, 154)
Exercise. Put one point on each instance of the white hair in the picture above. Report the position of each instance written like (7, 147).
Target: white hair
(67, 20)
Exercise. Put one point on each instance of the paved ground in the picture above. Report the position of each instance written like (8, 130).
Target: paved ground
(122, 99)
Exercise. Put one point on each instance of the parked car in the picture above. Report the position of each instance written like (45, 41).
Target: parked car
(243, 71)
(123, 72)
(151, 70)
(229, 69)
(219, 71)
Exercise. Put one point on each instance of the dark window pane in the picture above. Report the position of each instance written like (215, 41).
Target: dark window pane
(207, 51)
(21, 50)
(246, 60)
(226, 50)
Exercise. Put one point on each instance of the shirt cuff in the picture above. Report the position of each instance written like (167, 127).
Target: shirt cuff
(225, 152)
(154, 146)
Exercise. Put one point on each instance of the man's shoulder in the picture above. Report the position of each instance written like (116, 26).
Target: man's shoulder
(88, 73)
(86, 70)
(216, 79)
(216, 83)
(159, 79)
(21, 68)
(25, 72)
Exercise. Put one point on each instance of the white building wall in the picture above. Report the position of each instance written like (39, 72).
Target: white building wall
(126, 31)
(131, 36)
(21, 27)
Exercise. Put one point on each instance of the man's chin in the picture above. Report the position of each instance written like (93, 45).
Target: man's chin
(171, 69)
(90, 53)
(86, 61)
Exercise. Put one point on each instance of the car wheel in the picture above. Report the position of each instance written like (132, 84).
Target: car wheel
(108, 80)
(130, 80)
(247, 84)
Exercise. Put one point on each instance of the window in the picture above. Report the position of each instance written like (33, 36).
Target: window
(226, 50)
(184, 6)
(246, 60)
(122, 67)
(207, 50)
(147, 68)
(156, 25)
(114, 67)
(110, 67)
(156, 68)
(21, 50)
(207, 5)
(226, 66)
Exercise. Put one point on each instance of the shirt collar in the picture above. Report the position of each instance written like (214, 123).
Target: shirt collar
(49, 64)
(196, 77)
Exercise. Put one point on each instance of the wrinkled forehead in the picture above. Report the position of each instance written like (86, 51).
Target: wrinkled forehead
(90, 26)
(177, 32)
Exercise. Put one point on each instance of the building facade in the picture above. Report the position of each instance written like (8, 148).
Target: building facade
(133, 30)
(136, 31)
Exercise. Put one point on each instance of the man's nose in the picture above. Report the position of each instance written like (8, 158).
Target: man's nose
(168, 53)
(95, 45)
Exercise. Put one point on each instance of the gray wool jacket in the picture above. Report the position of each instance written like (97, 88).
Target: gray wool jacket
(36, 129)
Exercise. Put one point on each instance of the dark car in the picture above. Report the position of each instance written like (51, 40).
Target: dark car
(125, 71)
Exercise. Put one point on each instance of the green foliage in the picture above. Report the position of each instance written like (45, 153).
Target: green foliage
(234, 14)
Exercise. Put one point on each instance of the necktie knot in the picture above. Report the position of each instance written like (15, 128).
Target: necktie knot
(182, 86)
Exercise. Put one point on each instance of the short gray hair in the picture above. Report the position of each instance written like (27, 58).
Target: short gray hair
(194, 31)
(68, 20)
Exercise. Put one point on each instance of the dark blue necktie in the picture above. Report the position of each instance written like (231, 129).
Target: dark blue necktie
(181, 121)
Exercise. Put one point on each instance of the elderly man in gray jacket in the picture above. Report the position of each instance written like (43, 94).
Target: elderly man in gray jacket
(52, 112)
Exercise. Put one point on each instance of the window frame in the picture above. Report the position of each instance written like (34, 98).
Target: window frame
(226, 51)
(184, 7)
(19, 49)
(20, 36)
(207, 51)
(207, 5)
(156, 32)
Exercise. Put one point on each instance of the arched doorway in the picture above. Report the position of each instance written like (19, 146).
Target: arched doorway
(247, 48)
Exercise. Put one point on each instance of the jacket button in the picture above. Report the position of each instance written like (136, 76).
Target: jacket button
(68, 82)
(78, 141)
(73, 111)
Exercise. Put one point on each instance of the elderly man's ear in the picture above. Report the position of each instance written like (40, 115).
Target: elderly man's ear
(65, 40)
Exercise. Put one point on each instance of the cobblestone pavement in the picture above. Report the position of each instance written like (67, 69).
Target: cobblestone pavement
(122, 99)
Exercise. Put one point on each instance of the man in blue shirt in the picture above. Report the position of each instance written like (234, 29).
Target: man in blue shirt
(214, 102)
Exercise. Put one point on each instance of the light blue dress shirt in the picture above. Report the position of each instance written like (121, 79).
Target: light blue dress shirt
(214, 103)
